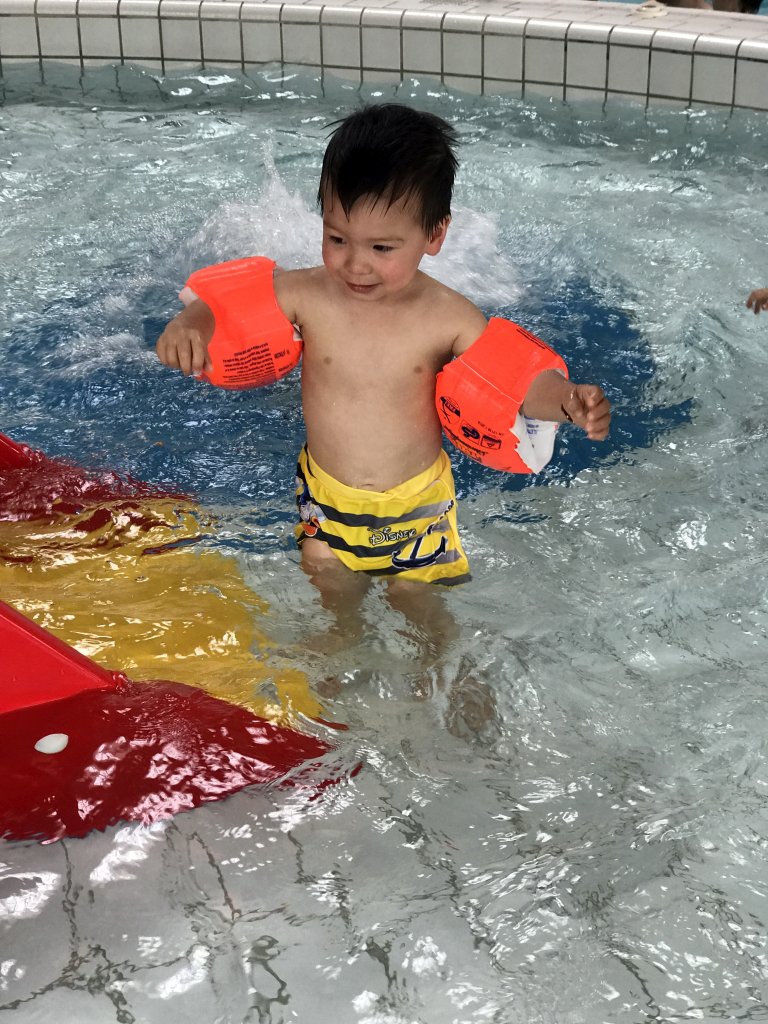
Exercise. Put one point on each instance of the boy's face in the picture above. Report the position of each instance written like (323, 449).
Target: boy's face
(375, 252)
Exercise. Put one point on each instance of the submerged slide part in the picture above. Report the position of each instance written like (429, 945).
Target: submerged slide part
(82, 748)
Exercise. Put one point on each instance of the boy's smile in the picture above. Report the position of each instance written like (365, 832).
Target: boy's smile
(375, 252)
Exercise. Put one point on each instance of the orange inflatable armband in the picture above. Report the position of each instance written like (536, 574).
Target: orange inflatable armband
(479, 395)
(253, 343)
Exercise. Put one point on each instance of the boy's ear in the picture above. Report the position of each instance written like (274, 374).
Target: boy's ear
(435, 243)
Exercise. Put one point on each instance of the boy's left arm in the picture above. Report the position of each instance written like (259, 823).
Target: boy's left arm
(552, 397)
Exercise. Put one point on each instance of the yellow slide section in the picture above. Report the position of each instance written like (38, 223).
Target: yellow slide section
(131, 585)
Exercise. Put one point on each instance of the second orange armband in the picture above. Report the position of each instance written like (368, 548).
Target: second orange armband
(254, 343)
(479, 396)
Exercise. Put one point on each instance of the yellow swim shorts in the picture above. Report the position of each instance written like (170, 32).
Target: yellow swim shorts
(408, 531)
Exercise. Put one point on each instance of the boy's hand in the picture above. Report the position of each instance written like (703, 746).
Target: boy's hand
(183, 345)
(758, 300)
(587, 407)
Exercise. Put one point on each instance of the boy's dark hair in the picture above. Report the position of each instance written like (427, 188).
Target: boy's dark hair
(390, 152)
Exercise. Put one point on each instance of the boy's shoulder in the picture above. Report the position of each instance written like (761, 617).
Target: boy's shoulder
(456, 311)
(293, 287)
(302, 278)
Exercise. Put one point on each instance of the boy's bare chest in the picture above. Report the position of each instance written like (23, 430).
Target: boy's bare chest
(372, 354)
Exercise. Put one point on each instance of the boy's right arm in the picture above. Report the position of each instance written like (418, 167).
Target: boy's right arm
(183, 345)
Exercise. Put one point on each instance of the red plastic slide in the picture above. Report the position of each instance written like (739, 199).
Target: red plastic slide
(82, 748)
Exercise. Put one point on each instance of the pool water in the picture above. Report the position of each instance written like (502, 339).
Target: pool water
(562, 818)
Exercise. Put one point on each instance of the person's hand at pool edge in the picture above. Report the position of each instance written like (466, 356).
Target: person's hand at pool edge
(551, 397)
(183, 345)
(757, 300)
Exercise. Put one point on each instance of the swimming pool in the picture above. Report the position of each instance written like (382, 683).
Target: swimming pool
(596, 851)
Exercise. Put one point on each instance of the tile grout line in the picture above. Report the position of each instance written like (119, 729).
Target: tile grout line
(39, 42)
(120, 31)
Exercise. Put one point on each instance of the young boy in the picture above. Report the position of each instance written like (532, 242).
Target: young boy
(374, 486)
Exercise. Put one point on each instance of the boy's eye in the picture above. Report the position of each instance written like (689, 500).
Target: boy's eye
(336, 239)
(383, 248)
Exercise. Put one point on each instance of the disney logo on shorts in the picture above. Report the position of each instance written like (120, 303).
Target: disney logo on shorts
(385, 535)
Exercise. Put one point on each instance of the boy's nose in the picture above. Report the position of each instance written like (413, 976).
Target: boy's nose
(357, 262)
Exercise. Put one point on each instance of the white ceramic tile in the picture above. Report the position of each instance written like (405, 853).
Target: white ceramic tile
(674, 21)
(98, 62)
(252, 11)
(669, 103)
(573, 94)
(18, 37)
(150, 64)
(57, 62)
(22, 8)
(544, 60)
(342, 75)
(670, 75)
(99, 37)
(462, 54)
(220, 10)
(628, 68)
(503, 57)
(667, 42)
(97, 8)
(713, 79)
(58, 37)
(753, 50)
(617, 100)
(592, 33)
(537, 28)
(525, 10)
(139, 8)
(501, 87)
(432, 20)
(341, 46)
(414, 6)
(381, 48)
(716, 44)
(171, 66)
(141, 38)
(730, 32)
(301, 44)
(184, 9)
(59, 8)
(382, 18)
(422, 51)
(463, 23)
(341, 15)
(681, 42)
(221, 41)
(495, 25)
(370, 5)
(631, 36)
(462, 83)
(181, 39)
(375, 76)
(600, 13)
(24, 61)
(546, 90)
(751, 84)
(262, 47)
(586, 65)
(302, 14)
